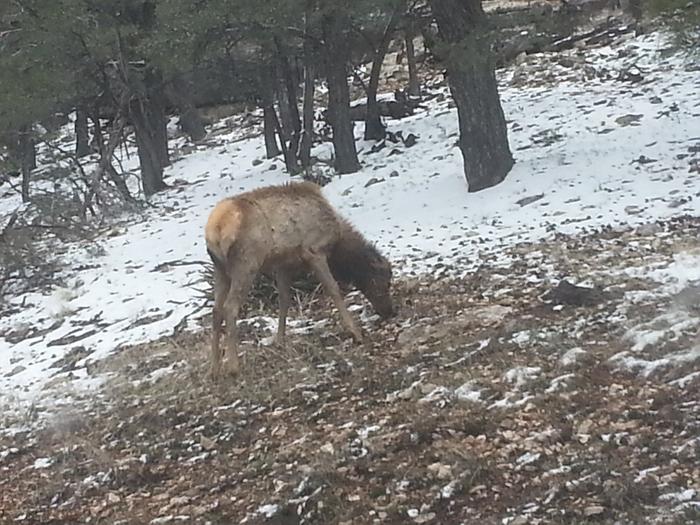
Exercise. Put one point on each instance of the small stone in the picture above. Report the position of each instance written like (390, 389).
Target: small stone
(628, 120)
(529, 200)
(16, 370)
(427, 388)
(178, 501)
(394, 174)
(373, 181)
(257, 162)
(207, 444)
(410, 140)
(328, 448)
(593, 510)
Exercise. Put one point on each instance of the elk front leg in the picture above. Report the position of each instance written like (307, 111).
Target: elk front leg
(284, 284)
(221, 287)
(319, 265)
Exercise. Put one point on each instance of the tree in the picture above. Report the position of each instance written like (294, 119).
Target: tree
(374, 128)
(464, 47)
(410, 34)
(335, 27)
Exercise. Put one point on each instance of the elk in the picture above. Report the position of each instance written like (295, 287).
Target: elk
(281, 231)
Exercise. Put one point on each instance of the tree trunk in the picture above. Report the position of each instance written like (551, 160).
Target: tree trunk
(269, 118)
(465, 49)
(288, 100)
(413, 81)
(27, 159)
(148, 118)
(179, 91)
(307, 136)
(374, 128)
(335, 29)
(97, 143)
(159, 121)
(270, 132)
(82, 138)
(309, 68)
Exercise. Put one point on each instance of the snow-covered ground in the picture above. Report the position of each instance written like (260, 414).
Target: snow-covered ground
(591, 150)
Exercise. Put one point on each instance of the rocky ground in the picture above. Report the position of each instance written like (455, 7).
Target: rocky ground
(500, 396)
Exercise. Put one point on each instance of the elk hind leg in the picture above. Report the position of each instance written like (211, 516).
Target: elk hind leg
(221, 287)
(241, 282)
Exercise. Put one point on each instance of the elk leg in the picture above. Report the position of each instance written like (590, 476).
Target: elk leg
(319, 265)
(284, 291)
(241, 282)
(221, 286)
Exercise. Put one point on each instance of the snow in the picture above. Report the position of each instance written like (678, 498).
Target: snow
(527, 458)
(571, 145)
(268, 510)
(684, 271)
(467, 392)
(521, 375)
(41, 463)
(558, 383)
(648, 367)
(571, 357)
(681, 497)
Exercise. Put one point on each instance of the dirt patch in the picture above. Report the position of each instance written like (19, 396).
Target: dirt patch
(481, 402)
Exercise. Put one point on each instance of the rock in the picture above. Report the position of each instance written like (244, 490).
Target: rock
(16, 370)
(593, 510)
(394, 174)
(207, 444)
(427, 388)
(257, 162)
(373, 181)
(568, 62)
(572, 357)
(179, 501)
(628, 120)
(490, 315)
(570, 294)
(649, 229)
(440, 471)
(529, 200)
(410, 140)
(328, 448)
(272, 167)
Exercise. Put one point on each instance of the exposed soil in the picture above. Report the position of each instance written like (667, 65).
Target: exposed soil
(481, 402)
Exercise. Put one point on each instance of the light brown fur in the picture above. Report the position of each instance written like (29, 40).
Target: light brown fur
(280, 231)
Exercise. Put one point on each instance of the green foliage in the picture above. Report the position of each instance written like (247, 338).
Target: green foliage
(682, 17)
(56, 54)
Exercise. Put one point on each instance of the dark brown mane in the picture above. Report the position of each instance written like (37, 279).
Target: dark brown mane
(353, 259)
